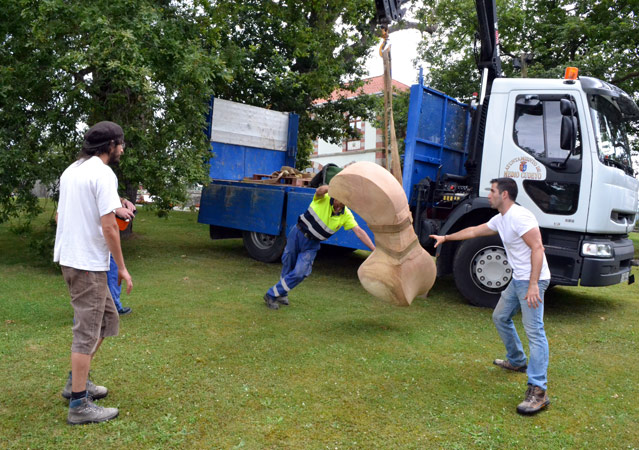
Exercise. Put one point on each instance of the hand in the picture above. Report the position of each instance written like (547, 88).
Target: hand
(321, 191)
(438, 239)
(128, 205)
(124, 213)
(532, 296)
(123, 274)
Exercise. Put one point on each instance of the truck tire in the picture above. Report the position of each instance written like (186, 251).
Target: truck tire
(481, 270)
(264, 247)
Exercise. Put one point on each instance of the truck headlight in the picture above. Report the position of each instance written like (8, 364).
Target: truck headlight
(595, 249)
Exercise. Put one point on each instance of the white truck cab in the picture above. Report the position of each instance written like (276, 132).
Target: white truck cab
(584, 198)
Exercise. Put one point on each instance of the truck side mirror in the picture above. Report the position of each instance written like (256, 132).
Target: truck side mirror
(568, 133)
(567, 107)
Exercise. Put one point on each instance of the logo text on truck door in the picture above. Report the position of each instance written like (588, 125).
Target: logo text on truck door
(523, 167)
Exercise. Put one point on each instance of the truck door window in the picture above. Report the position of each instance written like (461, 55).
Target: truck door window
(537, 128)
(537, 131)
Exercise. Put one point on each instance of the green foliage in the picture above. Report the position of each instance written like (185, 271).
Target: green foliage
(42, 241)
(149, 66)
(599, 37)
(401, 101)
(285, 55)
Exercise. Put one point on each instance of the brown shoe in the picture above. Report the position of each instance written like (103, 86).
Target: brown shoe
(505, 364)
(536, 400)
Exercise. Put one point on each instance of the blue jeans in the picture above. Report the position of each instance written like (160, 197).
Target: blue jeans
(511, 301)
(297, 262)
(112, 281)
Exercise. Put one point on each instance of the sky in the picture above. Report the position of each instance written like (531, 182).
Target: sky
(403, 52)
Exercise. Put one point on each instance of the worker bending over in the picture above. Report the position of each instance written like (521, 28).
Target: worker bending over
(323, 218)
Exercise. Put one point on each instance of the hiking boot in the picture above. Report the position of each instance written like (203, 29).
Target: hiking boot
(271, 302)
(283, 300)
(505, 364)
(89, 412)
(536, 399)
(96, 392)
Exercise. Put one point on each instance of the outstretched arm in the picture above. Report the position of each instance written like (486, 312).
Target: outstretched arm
(361, 234)
(462, 235)
(321, 191)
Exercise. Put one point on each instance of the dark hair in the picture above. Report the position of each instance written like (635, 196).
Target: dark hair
(88, 152)
(508, 185)
(98, 139)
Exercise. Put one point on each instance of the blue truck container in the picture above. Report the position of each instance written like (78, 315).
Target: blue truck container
(246, 140)
(436, 141)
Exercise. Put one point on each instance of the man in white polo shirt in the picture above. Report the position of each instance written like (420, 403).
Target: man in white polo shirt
(520, 234)
(86, 235)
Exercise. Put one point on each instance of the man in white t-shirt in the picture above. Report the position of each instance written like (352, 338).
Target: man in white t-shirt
(86, 235)
(520, 234)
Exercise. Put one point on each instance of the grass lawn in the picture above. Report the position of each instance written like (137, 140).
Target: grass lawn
(202, 363)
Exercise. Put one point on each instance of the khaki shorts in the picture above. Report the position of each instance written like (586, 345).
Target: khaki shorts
(94, 313)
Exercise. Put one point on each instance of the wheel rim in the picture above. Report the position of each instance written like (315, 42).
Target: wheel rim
(263, 241)
(490, 269)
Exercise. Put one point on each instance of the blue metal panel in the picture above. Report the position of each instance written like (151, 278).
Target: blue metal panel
(260, 208)
(298, 201)
(291, 146)
(209, 119)
(436, 137)
(410, 142)
(234, 162)
(243, 206)
(262, 161)
(227, 162)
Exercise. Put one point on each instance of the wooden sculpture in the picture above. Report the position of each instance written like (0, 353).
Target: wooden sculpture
(399, 269)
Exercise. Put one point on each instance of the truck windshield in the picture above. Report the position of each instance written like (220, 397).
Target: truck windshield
(610, 133)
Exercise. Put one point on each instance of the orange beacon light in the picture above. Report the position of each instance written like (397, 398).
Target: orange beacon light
(572, 73)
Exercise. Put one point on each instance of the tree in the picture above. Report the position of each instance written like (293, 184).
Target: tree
(151, 66)
(286, 54)
(601, 37)
(148, 65)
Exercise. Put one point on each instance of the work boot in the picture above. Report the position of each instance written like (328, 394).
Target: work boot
(536, 399)
(89, 412)
(96, 392)
(283, 300)
(505, 364)
(271, 302)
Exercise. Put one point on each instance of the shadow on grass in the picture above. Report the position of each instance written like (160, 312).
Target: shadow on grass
(567, 301)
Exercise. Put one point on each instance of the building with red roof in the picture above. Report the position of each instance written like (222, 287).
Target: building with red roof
(370, 145)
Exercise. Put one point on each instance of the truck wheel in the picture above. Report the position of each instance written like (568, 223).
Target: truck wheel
(481, 270)
(264, 247)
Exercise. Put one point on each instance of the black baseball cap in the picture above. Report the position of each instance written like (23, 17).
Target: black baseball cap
(102, 133)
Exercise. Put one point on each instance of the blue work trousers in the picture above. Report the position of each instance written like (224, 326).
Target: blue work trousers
(511, 301)
(297, 262)
(112, 281)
